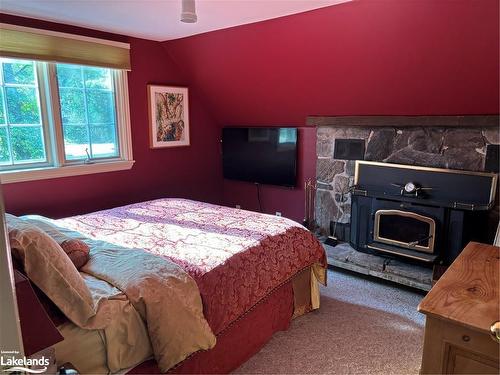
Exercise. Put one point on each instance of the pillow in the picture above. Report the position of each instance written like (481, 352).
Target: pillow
(76, 249)
(48, 267)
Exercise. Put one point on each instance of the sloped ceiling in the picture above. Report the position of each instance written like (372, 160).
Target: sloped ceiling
(158, 19)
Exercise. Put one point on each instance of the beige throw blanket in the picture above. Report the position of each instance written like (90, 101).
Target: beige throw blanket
(165, 296)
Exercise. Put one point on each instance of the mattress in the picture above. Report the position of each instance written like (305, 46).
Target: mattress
(236, 257)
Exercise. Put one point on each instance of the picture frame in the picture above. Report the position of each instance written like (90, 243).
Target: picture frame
(168, 116)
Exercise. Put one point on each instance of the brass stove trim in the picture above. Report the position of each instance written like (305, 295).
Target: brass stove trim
(373, 247)
(432, 230)
(494, 176)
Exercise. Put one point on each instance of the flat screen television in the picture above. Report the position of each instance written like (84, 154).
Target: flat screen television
(260, 155)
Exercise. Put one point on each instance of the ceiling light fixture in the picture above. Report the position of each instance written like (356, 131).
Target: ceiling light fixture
(188, 14)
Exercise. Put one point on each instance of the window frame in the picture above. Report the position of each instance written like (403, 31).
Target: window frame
(57, 165)
(40, 81)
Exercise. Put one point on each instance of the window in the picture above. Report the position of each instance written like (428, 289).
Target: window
(21, 132)
(61, 119)
(86, 98)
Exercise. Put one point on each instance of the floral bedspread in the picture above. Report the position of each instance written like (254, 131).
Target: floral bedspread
(236, 257)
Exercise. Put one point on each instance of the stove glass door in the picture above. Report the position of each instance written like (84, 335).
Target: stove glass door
(405, 229)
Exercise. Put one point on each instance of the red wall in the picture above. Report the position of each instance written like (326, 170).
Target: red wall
(359, 58)
(192, 172)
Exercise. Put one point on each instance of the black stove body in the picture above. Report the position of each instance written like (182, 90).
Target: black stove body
(418, 213)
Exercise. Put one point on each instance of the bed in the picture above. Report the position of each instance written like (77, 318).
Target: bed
(253, 274)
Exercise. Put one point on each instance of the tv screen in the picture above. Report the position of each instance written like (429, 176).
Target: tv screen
(260, 155)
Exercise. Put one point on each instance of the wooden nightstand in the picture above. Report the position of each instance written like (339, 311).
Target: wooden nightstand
(460, 309)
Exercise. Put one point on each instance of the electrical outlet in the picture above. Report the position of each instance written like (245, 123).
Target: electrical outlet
(278, 213)
(238, 206)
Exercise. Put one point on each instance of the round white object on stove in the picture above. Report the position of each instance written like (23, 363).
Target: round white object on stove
(410, 187)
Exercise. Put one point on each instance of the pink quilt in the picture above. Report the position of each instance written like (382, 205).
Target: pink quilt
(236, 257)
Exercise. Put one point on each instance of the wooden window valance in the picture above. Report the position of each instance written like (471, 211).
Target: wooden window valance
(43, 45)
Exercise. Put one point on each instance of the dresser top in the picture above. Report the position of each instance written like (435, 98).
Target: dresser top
(467, 293)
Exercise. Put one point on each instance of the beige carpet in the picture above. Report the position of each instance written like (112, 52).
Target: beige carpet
(364, 326)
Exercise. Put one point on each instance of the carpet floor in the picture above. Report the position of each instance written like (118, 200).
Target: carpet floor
(364, 326)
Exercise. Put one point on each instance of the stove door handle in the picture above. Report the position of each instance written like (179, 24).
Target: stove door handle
(414, 243)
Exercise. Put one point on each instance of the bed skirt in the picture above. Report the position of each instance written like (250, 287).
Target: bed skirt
(247, 335)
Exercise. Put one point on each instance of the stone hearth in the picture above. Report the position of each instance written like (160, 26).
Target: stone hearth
(344, 256)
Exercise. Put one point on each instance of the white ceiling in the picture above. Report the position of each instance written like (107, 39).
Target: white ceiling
(158, 19)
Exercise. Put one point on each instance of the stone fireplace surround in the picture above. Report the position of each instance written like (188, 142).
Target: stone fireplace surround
(454, 142)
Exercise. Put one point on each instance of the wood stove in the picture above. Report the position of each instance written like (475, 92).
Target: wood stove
(419, 213)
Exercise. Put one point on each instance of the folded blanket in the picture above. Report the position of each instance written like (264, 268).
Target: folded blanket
(165, 296)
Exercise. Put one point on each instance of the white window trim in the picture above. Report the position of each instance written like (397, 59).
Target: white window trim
(65, 171)
(123, 115)
(125, 142)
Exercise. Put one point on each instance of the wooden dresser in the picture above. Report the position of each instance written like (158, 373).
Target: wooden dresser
(460, 310)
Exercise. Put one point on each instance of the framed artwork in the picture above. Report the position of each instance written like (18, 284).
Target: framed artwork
(168, 116)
